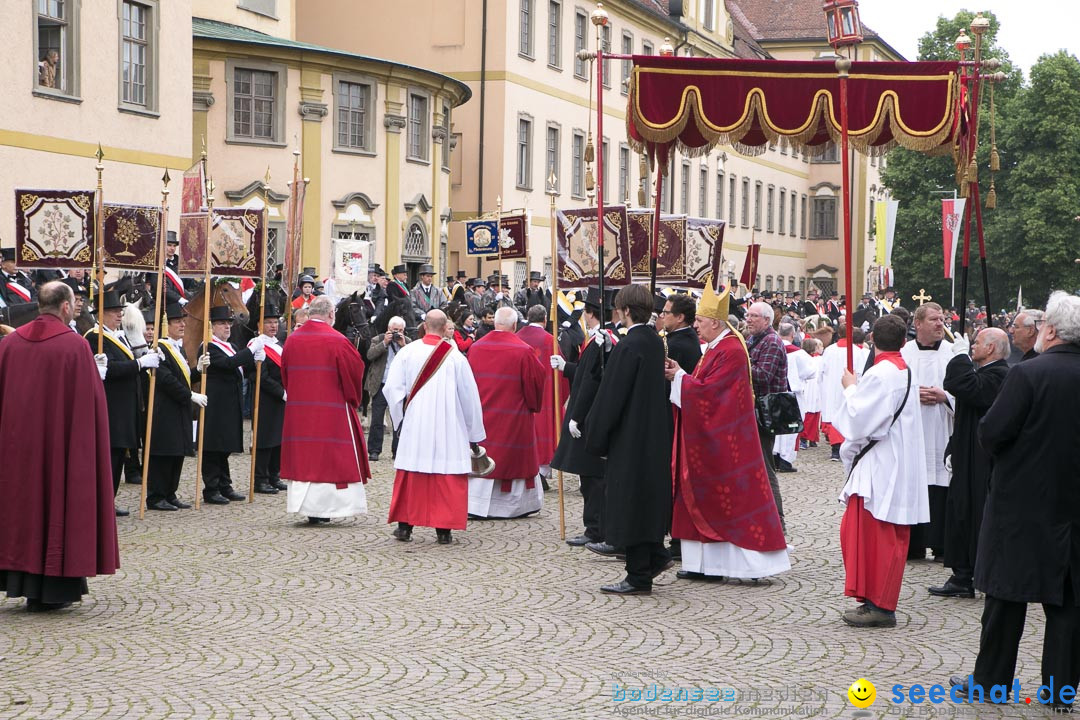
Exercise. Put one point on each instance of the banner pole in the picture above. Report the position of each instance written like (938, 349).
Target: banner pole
(99, 248)
(208, 290)
(259, 364)
(160, 327)
(552, 192)
(599, 18)
(655, 249)
(843, 67)
(290, 242)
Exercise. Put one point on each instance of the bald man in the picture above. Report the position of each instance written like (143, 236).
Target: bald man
(975, 383)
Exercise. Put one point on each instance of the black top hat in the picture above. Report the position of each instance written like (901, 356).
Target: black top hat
(426, 269)
(398, 269)
(272, 311)
(462, 274)
(112, 301)
(7, 254)
(536, 275)
(77, 286)
(379, 272)
(476, 282)
(505, 281)
(833, 293)
(220, 313)
(305, 279)
(148, 317)
(609, 297)
(175, 311)
(592, 298)
(171, 239)
(659, 301)
(310, 271)
(492, 279)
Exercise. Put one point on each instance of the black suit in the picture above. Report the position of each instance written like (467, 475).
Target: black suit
(1029, 543)
(11, 297)
(684, 347)
(122, 391)
(271, 423)
(224, 432)
(171, 437)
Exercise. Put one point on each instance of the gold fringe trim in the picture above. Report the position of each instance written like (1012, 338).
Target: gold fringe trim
(991, 198)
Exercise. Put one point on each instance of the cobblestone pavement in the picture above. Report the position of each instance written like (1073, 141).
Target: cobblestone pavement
(245, 612)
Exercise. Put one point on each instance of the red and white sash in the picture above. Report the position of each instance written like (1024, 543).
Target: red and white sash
(175, 281)
(19, 290)
(272, 351)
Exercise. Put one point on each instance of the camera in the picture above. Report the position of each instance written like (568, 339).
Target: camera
(396, 335)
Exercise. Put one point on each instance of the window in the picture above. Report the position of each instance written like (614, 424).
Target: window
(684, 188)
(746, 202)
(581, 24)
(731, 200)
(802, 285)
(555, 34)
(719, 196)
(254, 104)
(802, 214)
(646, 47)
(824, 217)
(418, 127)
(446, 137)
(415, 244)
(524, 153)
(828, 155)
(667, 196)
(794, 208)
(709, 20)
(525, 29)
(136, 55)
(551, 160)
(577, 162)
(791, 283)
(624, 174)
(782, 214)
(768, 282)
(354, 104)
(647, 184)
(703, 190)
(605, 156)
(520, 273)
(260, 7)
(757, 205)
(627, 49)
(605, 36)
(770, 197)
(57, 48)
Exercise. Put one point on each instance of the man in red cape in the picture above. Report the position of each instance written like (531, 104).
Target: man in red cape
(323, 455)
(724, 513)
(541, 341)
(57, 521)
(511, 382)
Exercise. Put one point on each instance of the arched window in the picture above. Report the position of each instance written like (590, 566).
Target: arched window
(415, 245)
(768, 282)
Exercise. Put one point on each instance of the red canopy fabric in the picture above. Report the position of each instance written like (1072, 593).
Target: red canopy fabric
(702, 102)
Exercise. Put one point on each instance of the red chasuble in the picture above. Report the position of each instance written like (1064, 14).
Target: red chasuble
(511, 384)
(541, 342)
(722, 490)
(322, 440)
(57, 518)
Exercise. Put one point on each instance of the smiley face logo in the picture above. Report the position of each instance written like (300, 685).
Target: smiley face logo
(862, 693)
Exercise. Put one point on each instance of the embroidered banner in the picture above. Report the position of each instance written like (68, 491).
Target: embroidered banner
(670, 255)
(54, 228)
(294, 236)
(704, 241)
(349, 265)
(193, 193)
(514, 237)
(131, 236)
(480, 237)
(579, 258)
(236, 242)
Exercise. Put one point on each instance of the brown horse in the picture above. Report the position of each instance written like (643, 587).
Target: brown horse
(223, 294)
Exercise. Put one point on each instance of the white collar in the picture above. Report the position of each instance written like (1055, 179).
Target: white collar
(716, 340)
(539, 325)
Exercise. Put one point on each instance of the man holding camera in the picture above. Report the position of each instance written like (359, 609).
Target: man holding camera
(381, 355)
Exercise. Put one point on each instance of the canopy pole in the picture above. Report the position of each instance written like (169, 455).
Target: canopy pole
(208, 290)
(262, 323)
(600, 156)
(552, 192)
(655, 249)
(843, 67)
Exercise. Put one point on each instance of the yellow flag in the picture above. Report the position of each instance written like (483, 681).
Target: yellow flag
(881, 220)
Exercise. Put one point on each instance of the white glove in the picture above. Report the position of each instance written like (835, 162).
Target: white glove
(284, 396)
(557, 362)
(257, 343)
(566, 323)
(960, 345)
(498, 296)
(149, 360)
(102, 362)
(160, 354)
(199, 399)
(259, 354)
(182, 301)
(574, 432)
(948, 463)
(203, 362)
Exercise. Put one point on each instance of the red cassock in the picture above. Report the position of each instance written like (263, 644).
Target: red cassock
(722, 491)
(511, 384)
(322, 440)
(541, 342)
(57, 518)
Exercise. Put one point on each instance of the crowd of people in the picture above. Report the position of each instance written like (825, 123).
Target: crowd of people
(679, 414)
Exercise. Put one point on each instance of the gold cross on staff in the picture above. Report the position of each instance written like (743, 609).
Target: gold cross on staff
(922, 297)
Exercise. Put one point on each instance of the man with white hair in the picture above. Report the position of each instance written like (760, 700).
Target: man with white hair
(511, 381)
(768, 371)
(1025, 331)
(430, 383)
(1028, 549)
(800, 371)
(381, 355)
(323, 457)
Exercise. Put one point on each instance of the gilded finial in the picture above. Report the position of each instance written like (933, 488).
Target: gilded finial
(165, 179)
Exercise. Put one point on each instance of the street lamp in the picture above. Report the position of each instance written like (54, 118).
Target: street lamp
(842, 23)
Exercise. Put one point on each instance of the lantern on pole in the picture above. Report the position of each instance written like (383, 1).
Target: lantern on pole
(842, 22)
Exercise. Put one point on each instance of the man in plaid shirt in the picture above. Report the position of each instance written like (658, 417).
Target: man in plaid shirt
(768, 371)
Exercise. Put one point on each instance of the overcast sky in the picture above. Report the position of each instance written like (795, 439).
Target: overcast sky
(1029, 28)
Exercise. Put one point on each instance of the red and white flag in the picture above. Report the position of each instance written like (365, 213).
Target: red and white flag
(952, 217)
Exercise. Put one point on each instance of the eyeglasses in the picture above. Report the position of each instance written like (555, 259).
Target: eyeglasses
(665, 312)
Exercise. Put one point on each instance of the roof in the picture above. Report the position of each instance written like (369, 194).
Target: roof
(202, 28)
(774, 20)
(744, 44)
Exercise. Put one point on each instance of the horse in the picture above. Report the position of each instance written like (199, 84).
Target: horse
(351, 320)
(223, 293)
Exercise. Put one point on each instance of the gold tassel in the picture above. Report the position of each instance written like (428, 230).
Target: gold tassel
(590, 181)
(590, 151)
(995, 159)
(991, 198)
(964, 189)
(973, 171)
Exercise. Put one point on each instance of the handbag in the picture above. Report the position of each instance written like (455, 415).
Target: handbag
(778, 413)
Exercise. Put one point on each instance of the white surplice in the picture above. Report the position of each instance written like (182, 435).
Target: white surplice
(487, 500)
(811, 400)
(928, 369)
(891, 477)
(833, 364)
(800, 374)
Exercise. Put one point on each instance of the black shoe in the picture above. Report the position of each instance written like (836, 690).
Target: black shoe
(403, 532)
(161, 505)
(544, 483)
(373, 457)
(602, 548)
(803, 445)
(959, 682)
(813, 444)
(216, 498)
(265, 489)
(443, 537)
(835, 455)
(953, 589)
(663, 568)
(785, 467)
(691, 575)
(121, 512)
(579, 541)
(317, 520)
(178, 503)
(231, 494)
(625, 588)
(279, 484)
(36, 606)
(1047, 699)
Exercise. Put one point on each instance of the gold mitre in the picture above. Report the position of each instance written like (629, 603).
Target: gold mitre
(714, 305)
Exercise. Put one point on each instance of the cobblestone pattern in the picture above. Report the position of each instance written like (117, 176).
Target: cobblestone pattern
(246, 612)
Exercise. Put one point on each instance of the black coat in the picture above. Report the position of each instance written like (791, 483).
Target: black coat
(975, 390)
(584, 377)
(271, 406)
(225, 400)
(1030, 537)
(684, 348)
(630, 425)
(122, 390)
(171, 434)
(570, 342)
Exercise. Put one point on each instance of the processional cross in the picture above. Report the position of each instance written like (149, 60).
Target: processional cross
(922, 297)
